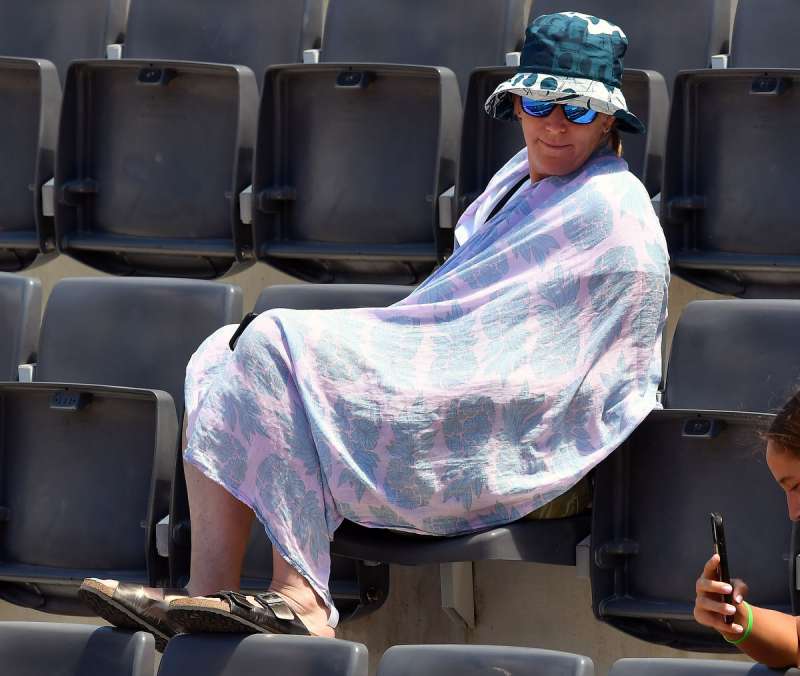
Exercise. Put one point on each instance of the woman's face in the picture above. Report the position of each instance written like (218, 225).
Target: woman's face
(785, 467)
(557, 146)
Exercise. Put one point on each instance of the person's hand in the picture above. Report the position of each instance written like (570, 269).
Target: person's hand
(709, 609)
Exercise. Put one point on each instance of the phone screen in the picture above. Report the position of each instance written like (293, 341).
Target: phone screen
(720, 547)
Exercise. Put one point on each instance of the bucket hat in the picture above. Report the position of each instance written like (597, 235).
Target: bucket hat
(570, 58)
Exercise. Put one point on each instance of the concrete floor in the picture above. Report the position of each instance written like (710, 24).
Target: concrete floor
(517, 603)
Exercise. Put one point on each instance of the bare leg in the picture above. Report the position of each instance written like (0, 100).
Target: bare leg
(220, 530)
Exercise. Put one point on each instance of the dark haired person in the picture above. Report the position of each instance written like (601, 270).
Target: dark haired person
(491, 390)
(765, 635)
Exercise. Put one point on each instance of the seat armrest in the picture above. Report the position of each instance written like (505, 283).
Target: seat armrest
(719, 61)
(48, 198)
(311, 55)
(114, 52)
(246, 205)
(162, 537)
(656, 202)
(447, 206)
(26, 373)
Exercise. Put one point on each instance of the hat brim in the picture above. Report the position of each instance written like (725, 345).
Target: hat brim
(559, 89)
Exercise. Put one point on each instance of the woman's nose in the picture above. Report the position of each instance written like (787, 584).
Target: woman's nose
(557, 121)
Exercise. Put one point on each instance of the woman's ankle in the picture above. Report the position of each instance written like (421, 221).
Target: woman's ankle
(300, 594)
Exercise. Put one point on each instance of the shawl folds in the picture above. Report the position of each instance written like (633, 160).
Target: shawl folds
(514, 369)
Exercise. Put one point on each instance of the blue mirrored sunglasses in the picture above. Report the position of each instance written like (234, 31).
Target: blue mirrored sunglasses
(575, 114)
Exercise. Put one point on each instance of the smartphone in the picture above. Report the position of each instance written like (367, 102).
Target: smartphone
(723, 572)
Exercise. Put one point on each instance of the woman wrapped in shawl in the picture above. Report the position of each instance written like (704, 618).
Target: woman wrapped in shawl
(495, 387)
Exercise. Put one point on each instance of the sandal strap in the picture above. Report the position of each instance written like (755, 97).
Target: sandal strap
(232, 597)
(277, 605)
(268, 600)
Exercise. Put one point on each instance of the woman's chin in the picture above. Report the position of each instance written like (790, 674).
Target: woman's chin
(549, 167)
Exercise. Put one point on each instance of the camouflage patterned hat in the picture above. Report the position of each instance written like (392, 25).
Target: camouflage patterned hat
(570, 58)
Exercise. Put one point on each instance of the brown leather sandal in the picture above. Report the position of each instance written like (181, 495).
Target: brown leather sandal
(232, 612)
(126, 606)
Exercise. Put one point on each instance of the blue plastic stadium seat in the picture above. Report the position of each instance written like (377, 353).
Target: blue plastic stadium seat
(728, 206)
(142, 186)
(738, 355)
(131, 332)
(38, 648)
(765, 35)
(235, 655)
(252, 33)
(329, 296)
(679, 667)
(654, 28)
(89, 449)
(60, 31)
(151, 192)
(20, 317)
(348, 191)
(30, 98)
(732, 364)
(481, 660)
(728, 209)
(458, 34)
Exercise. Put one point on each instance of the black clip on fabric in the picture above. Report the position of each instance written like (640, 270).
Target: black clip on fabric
(249, 317)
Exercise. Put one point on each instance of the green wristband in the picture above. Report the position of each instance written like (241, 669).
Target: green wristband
(747, 630)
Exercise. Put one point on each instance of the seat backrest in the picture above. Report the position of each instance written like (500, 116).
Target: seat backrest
(20, 318)
(131, 332)
(252, 33)
(655, 666)
(56, 649)
(348, 191)
(458, 34)
(701, 27)
(60, 31)
(30, 100)
(142, 187)
(329, 296)
(735, 355)
(481, 660)
(651, 533)
(220, 655)
(727, 205)
(765, 35)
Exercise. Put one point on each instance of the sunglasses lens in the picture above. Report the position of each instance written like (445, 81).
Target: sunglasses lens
(575, 114)
(537, 108)
(579, 114)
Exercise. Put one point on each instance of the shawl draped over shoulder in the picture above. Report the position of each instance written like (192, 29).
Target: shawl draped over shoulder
(515, 368)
